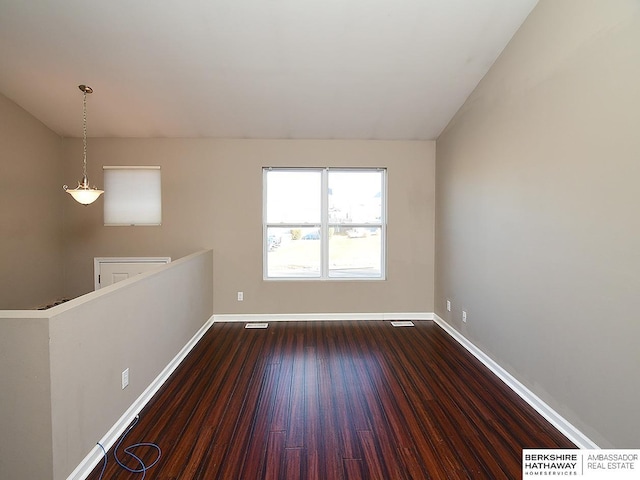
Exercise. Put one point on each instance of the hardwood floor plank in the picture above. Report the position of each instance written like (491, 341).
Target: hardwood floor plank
(345, 423)
(283, 399)
(313, 434)
(211, 463)
(255, 453)
(296, 421)
(224, 411)
(294, 462)
(384, 423)
(200, 449)
(313, 464)
(373, 466)
(329, 426)
(413, 466)
(242, 409)
(335, 400)
(275, 456)
(353, 469)
(357, 406)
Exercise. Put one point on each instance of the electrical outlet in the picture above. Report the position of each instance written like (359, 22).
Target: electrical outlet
(240, 296)
(464, 316)
(448, 305)
(125, 378)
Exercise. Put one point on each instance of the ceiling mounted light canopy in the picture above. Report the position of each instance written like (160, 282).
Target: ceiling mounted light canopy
(84, 193)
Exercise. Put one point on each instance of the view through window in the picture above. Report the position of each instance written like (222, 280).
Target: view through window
(324, 223)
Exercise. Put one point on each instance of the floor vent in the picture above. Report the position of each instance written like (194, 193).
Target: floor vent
(406, 323)
(256, 325)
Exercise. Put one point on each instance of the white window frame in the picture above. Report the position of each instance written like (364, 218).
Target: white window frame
(324, 225)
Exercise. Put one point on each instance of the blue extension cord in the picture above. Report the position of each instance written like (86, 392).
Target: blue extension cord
(128, 450)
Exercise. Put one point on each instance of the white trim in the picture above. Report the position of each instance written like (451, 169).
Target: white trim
(308, 317)
(131, 167)
(109, 439)
(553, 417)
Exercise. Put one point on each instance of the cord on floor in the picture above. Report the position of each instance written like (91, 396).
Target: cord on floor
(129, 451)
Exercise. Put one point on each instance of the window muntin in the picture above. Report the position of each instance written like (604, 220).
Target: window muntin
(324, 223)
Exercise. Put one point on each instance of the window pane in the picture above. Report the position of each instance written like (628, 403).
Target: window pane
(293, 196)
(355, 197)
(293, 252)
(355, 252)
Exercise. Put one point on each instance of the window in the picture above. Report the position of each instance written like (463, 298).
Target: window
(324, 223)
(132, 196)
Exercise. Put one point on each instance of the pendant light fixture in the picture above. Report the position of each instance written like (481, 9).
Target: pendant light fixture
(83, 193)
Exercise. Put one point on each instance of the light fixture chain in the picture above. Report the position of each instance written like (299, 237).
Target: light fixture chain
(84, 135)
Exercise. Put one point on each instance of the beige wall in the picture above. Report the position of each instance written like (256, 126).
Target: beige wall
(30, 210)
(212, 198)
(25, 397)
(538, 214)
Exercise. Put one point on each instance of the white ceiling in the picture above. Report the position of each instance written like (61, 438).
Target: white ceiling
(365, 69)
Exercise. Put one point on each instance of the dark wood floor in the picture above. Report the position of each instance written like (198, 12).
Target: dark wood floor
(335, 400)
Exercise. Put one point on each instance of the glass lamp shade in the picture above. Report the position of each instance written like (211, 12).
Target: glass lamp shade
(84, 194)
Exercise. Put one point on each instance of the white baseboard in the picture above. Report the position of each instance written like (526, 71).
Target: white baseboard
(306, 317)
(553, 417)
(95, 455)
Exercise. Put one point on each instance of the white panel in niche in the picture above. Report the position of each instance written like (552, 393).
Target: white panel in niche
(110, 270)
(132, 196)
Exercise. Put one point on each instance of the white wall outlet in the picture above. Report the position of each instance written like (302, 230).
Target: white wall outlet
(240, 296)
(464, 316)
(448, 305)
(125, 378)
